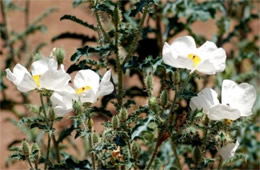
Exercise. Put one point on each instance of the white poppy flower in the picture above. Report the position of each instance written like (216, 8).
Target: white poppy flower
(88, 88)
(182, 53)
(236, 101)
(44, 76)
(229, 150)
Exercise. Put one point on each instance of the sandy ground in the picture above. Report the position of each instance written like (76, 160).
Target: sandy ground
(9, 132)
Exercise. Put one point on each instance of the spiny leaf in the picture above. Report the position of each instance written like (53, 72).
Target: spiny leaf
(104, 8)
(79, 21)
(139, 6)
(82, 37)
(65, 133)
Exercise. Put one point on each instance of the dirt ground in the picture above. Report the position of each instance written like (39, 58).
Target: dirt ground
(9, 132)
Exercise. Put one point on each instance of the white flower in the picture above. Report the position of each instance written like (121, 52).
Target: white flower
(88, 88)
(229, 150)
(236, 101)
(44, 76)
(182, 53)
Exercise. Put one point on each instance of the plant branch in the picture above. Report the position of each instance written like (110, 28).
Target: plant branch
(174, 147)
(154, 154)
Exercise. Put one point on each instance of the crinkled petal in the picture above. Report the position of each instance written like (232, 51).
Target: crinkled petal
(17, 75)
(41, 66)
(204, 100)
(220, 112)
(55, 80)
(87, 78)
(176, 54)
(242, 96)
(88, 96)
(63, 104)
(213, 58)
(106, 86)
(27, 84)
(229, 150)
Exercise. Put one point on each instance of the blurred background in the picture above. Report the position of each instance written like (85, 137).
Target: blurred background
(29, 27)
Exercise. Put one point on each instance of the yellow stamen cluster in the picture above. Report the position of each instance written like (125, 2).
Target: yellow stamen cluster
(228, 121)
(195, 59)
(82, 89)
(36, 79)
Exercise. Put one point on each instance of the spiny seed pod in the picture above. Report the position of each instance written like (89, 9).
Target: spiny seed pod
(135, 148)
(196, 155)
(36, 151)
(95, 138)
(153, 103)
(123, 114)
(115, 122)
(59, 53)
(164, 98)
(77, 107)
(149, 82)
(25, 148)
(90, 123)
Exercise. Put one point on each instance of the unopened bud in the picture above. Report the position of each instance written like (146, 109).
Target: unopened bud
(135, 148)
(149, 82)
(95, 138)
(77, 107)
(196, 155)
(164, 98)
(153, 104)
(59, 53)
(36, 151)
(115, 122)
(123, 114)
(25, 148)
(90, 123)
(117, 17)
(177, 77)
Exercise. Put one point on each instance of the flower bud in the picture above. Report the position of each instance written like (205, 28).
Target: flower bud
(95, 138)
(164, 98)
(123, 114)
(59, 53)
(149, 82)
(135, 149)
(153, 104)
(115, 122)
(25, 148)
(90, 123)
(36, 152)
(196, 155)
(117, 16)
(77, 107)
(177, 77)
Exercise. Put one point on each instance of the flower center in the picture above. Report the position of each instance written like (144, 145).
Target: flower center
(195, 59)
(36, 79)
(228, 121)
(82, 89)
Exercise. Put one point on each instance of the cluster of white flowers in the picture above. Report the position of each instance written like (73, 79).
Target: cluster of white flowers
(236, 100)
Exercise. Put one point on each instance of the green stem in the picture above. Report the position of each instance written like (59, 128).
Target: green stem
(56, 147)
(174, 147)
(154, 154)
(48, 151)
(43, 107)
(220, 163)
(205, 135)
(30, 163)
(92, 154)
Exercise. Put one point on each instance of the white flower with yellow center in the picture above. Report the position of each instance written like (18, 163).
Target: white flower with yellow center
(182, 53)
(229, 150)
(44, 75)
(88, 88)
(236, 101)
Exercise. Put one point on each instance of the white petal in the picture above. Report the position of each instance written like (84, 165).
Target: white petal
(88, 96)
(87, 78)
(213, 58)
(62, 103)
(39, 67)
(176, 54)
(55, 80)
(18, 73)
(204, 100)
(27, 84)
(220, 112)
(229, 150)
(241, 97)
(106, 86)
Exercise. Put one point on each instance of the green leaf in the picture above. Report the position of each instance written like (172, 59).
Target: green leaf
(82, 37)
(77, 3)
(103, 8)
(139, 6)
(79, 21)
(65, 133)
